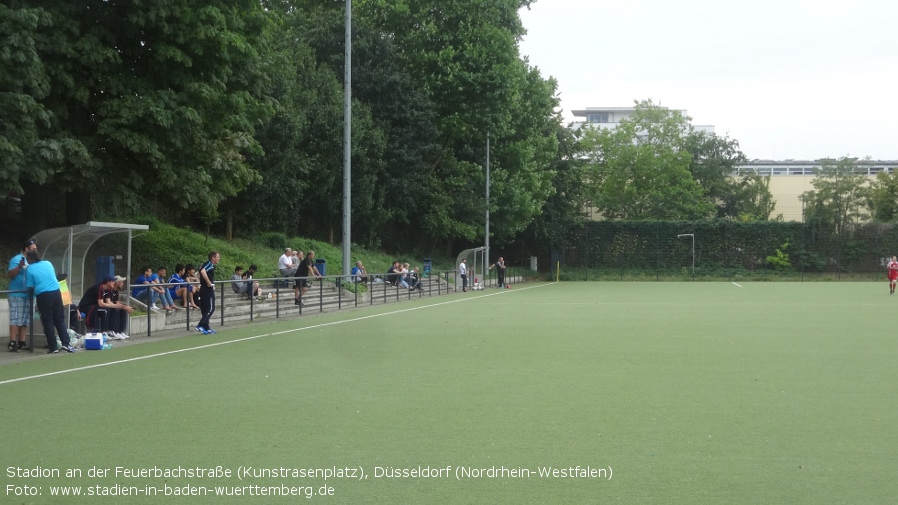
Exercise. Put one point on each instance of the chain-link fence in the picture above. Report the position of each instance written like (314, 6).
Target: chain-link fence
(725, 250)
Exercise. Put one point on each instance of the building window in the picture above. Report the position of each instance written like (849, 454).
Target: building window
(597, 118)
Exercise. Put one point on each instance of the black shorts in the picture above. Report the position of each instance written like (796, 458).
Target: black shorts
(302, 283)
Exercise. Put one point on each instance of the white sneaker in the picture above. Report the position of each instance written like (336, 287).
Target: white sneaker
(122, 336)
(154, 308)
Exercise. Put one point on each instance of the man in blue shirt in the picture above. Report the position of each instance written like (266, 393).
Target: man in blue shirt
(42, 277)
(19, 303)
(159, 278)
(141, 290)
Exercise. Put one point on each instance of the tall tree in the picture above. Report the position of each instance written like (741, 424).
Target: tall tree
(563, 212)
(31, 149)
(714, 165)
(839, 196)
(522, 178)
(465, 57)
(748, 198)
(301, 142)
(642, 168)
(394, 130)
(161, 97)
(884, 197)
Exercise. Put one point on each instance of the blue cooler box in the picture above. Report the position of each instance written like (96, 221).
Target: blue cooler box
(93, 341)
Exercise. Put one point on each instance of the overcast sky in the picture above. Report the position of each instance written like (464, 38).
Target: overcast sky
(787, 79)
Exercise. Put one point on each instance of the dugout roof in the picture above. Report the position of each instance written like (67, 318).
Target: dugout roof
(69, 250)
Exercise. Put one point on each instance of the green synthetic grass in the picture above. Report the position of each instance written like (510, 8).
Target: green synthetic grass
(703, 393)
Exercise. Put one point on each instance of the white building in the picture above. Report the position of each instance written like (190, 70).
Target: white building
(610, 117)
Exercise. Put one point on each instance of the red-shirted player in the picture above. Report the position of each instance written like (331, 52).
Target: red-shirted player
(893, 274)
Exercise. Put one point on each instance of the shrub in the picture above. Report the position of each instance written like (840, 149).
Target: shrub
(273, 240)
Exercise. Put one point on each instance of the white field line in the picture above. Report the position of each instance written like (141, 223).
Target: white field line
(738, 286)
(254, 337)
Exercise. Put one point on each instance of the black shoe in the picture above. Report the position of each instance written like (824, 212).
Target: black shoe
(23, 346)
(12, 347)
(297, 302)
(53, 351)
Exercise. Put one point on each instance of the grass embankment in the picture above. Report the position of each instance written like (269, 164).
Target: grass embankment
(168, 245)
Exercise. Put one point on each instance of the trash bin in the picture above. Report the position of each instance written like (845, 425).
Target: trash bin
(321, 265)
(428, 264)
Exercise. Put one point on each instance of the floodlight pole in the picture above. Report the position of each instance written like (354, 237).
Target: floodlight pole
(486, 233)
(347, 142)
(693, 249)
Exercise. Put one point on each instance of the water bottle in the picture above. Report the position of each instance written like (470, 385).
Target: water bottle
(106, 347)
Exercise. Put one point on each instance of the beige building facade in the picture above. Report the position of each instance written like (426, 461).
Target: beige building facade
(789, 179)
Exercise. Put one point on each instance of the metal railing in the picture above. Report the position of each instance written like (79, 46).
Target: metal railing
(327, 293)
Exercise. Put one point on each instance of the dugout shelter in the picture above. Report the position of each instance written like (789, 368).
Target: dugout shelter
(477, 263)
(71, 250)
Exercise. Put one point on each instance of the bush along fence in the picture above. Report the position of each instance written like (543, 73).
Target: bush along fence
(725, 250)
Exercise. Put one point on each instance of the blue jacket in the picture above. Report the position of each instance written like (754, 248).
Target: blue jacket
(42, 277)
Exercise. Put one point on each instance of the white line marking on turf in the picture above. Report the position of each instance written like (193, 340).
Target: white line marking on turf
(254, 337)
(738, 286)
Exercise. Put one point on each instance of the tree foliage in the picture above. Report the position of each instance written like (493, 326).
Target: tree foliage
(301, 137)
(149, 100)
(655, 165)
(430, 81)
(714, 165)
(884, 197)
(563, 214)
(230, 114)
(32, 146)
(748, 198)
(465, 61)
(839, 197)
(641, 169)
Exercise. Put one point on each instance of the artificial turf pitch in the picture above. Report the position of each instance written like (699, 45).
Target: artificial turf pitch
(667, 393)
